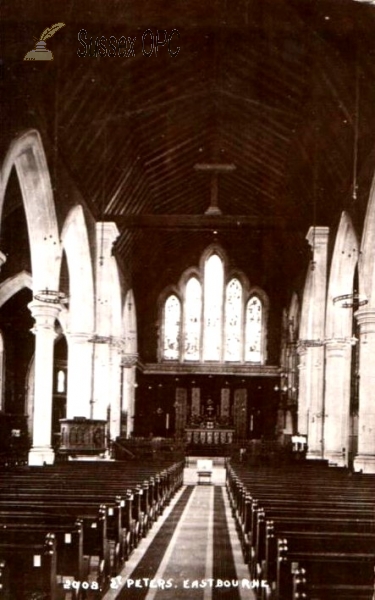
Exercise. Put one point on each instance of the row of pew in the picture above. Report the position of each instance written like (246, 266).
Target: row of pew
(307, 530)
(67, 529)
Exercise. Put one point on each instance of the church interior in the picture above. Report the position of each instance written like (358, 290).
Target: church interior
(187, 300)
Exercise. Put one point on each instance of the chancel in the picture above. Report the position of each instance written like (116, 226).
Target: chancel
(187, 301)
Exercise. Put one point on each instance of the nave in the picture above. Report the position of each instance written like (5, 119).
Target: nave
(108, 530)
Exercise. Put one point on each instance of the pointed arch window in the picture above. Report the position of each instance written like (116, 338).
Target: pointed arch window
(233, 321)
(61, 377)
(213, 307)
(193, 315)
(172, 324)
(253, 334)
(213, 316)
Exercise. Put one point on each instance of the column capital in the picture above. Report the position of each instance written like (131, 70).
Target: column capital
(129, 360)
(108, 229)
(318, 236)
(78, 337)
(365, 316)
(301, 349)
(340, 344)
(44, 314)
(106, 235)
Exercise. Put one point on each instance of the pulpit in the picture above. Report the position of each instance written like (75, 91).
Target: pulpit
(80, 436)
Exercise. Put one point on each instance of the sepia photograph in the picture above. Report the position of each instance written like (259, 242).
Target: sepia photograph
(187, 300)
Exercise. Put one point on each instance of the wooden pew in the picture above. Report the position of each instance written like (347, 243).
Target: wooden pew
(31, 567)
(333, 568)
(328, 508)
(305, 587)
(98, 494)
(69, 540)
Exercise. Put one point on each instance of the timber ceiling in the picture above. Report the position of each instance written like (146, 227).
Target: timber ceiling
(282, 89)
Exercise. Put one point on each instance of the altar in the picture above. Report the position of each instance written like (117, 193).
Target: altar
(209, 436)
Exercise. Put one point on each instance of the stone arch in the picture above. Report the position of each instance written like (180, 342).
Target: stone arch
(14, 284)
(344, 261)
(75, 242)
(365, 459)
(366, 263)
(9, 288)
(27, 155)
(116, 300)
(79, 321)
(337, 420)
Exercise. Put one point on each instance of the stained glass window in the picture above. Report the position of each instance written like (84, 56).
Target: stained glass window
(213, 307)
(218, 318)
(172, 323)
(253, 330)
(193, 315)
(233, 321)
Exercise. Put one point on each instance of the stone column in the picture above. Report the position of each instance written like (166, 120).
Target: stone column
(365, 459)
(106, 233)
(302, 392)
(115, 393)
(337, 401)
(315, 374)
(44, 329)
(101, 397)
(318, 240)
(128, 363)
(80, 375)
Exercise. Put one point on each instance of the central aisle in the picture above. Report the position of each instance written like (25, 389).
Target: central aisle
(192, 552)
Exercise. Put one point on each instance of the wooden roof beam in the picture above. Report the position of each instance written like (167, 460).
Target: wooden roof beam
(197, 222)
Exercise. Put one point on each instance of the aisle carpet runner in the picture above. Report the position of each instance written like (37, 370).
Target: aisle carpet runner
(181, 574)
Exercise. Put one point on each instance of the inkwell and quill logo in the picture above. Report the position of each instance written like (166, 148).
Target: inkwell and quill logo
(41, 52)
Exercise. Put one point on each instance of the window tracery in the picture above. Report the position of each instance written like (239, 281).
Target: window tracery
(214, 316)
